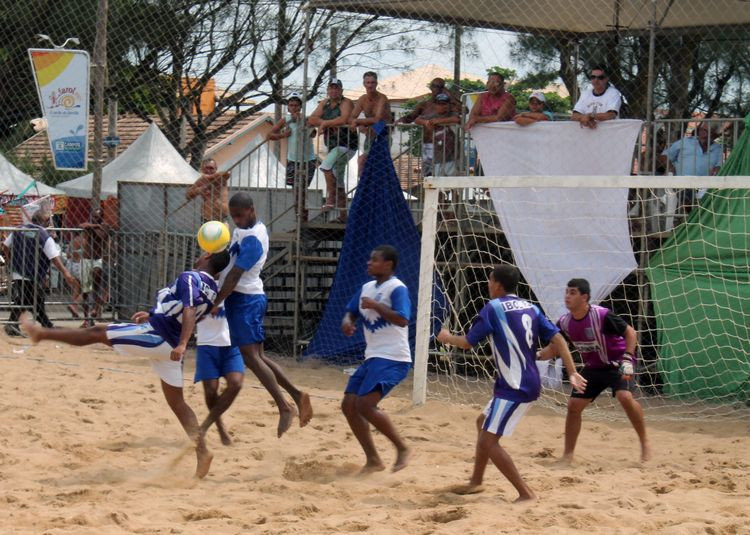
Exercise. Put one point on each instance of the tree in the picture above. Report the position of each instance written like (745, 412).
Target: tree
(163, 55)
(254, 47)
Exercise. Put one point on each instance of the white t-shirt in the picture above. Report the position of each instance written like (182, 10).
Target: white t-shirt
(248, 251)
(384, 339)
(610, 100)
(51, 250)
(213, 330)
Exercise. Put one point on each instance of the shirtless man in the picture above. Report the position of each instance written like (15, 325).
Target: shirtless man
(213, 187)
(376, 107)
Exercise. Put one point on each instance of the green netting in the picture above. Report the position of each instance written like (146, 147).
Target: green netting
(700, 281)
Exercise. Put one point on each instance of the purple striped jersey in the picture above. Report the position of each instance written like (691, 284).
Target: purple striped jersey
(515, 326)
(597, 336)
(191, 289)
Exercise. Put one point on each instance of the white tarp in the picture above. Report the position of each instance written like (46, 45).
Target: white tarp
(557, 234)
(151, 158)
(13, 181)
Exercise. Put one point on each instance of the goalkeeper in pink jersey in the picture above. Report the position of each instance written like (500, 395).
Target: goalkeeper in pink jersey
(607, 345)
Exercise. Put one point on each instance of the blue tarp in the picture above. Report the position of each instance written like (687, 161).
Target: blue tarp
(378, 215)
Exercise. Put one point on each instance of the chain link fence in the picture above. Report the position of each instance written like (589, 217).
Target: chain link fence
(215, 78)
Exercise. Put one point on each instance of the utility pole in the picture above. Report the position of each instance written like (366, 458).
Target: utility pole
(100, 63)
(334, 47)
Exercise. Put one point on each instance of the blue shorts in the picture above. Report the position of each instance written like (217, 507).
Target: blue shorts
(377, 374)
(245, 317)
(212, 362)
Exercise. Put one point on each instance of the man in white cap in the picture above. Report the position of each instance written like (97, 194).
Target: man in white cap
(536, 112)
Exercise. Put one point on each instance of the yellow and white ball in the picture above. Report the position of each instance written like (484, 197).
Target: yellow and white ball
(213, 236)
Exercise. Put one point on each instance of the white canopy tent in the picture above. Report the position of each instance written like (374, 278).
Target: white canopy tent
(13, 181)
(151, 158)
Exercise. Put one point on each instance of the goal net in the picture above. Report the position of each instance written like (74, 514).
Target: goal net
(667, 254)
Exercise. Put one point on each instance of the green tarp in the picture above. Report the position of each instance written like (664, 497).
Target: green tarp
(700, 282)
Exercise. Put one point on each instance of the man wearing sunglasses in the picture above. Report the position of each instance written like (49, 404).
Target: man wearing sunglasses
(601, 102)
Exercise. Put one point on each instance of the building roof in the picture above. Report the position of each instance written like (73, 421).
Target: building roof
(129, 128)
(412, 84)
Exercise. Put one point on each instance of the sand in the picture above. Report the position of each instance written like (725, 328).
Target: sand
(88, 446)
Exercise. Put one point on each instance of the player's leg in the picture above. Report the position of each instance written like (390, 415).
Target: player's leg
(635, 414)
(596, 382)
(211, 394)
(367, 407)
(221, 403)
(373, 380)
(245, 318)
(74, 337)
(504, 463)
(302, 399)
(186, 416)
(253, 360)
(573, 425)
(361, 429)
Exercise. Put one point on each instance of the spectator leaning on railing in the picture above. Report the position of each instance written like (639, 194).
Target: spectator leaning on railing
(31, 250)
(494, 105)
(600, 102)
(440, 106)
(536, 112)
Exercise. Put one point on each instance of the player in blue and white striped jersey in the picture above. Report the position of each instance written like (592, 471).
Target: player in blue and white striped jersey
(161, 335)
(515, 326)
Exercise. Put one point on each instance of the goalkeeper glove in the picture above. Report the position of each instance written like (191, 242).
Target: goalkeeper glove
(627, 368)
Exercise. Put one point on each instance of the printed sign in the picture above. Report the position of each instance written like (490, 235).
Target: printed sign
(62, 82)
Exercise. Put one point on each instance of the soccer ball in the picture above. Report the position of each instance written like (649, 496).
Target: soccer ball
(213, 236)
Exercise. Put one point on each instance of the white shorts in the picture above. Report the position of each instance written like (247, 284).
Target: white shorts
(131, 340)
(502, 416)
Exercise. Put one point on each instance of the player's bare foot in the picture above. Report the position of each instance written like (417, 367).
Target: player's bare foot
(305, 409)
(645, 452)
(29, 327)
(226, 440)
(466, 488)
(528, 497)
(204, 462)
(372, 467)
(286, 416)
(567, 458)
(402, 460)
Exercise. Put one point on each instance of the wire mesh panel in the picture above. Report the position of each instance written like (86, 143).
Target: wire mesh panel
(689, 319)
(192, 84)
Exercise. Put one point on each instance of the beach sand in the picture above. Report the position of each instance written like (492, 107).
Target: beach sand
(90, 446)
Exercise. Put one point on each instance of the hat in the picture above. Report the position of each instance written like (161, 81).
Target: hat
(538, 95)
(335, 81)
(294, 96)
(442, 97)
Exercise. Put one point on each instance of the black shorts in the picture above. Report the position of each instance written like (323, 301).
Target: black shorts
(599, 379)
(294, 170)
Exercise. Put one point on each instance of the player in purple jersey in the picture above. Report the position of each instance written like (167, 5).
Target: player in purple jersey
(515, 326)
(607, 345)
(160, 335)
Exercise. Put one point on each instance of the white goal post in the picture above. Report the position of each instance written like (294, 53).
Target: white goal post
(460, 212)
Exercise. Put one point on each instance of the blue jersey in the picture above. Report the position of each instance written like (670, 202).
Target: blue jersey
(515, 326)
(191, 289)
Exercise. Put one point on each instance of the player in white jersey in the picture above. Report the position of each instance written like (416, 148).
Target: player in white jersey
(245, 303)
(384, 308)
(216, 357)
(514, 327)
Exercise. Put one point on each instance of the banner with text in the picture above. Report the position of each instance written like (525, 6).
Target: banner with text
(62, 82)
